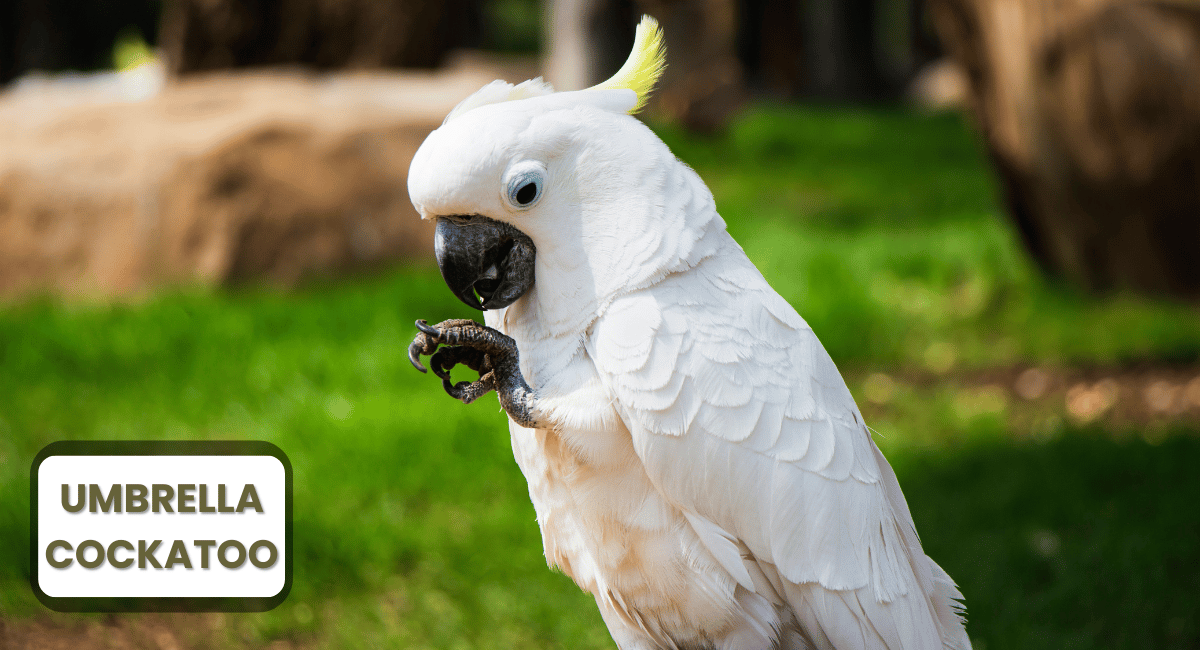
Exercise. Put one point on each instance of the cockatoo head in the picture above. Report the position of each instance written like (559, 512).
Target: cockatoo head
(529, 185)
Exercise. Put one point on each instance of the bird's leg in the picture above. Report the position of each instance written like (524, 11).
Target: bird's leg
(481, 348)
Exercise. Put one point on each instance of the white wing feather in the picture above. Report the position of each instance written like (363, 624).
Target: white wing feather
(743, 422)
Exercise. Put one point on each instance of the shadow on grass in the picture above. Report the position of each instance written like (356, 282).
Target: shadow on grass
(1078, 542)
(1081, 542)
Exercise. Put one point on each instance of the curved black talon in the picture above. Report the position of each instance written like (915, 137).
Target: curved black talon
(427, 328)
(413, 351)
(424, 343)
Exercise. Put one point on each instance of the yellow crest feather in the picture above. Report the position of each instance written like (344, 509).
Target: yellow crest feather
(644, 65)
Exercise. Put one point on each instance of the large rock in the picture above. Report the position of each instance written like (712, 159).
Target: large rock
(214, 179)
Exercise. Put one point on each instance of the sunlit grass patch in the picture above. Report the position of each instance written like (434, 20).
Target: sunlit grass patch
(884, 229)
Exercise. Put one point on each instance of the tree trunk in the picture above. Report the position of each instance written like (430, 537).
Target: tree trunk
(1091, 113)
(702, 85)
(203, 35)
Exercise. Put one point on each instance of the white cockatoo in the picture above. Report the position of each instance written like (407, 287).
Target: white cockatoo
(695, 458)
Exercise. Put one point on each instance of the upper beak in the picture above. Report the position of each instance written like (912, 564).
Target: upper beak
(478, 255)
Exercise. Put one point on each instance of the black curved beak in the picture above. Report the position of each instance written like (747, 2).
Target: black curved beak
(488, 264)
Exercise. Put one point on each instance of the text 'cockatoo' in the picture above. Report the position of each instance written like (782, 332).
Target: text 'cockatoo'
(695, 458)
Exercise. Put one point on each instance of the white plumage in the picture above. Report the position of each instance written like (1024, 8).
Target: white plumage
(698, 464)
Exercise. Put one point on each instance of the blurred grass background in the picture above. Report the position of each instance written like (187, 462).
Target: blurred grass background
(413, 527)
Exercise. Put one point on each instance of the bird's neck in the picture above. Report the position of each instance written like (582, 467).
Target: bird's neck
(668, 225)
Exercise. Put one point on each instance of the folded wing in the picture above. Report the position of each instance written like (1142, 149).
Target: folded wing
(742, 419)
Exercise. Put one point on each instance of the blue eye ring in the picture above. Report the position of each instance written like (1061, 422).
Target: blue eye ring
(526, 181)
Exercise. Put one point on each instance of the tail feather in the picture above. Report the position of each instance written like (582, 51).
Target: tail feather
(928, 616)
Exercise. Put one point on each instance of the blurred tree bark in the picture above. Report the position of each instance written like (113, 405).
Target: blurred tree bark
(200, 35)
(1091, 113)
(842, 50)
(703, 84)
(67, 34)
(720, 51)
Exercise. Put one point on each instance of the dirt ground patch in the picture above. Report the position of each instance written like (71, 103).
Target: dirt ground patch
(1038, 400)
(130, 632)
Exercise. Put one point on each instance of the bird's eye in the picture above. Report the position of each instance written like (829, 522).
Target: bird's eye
(525, 183)
(527, 192)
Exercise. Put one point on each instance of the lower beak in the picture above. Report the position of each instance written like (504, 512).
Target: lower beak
(488, 264)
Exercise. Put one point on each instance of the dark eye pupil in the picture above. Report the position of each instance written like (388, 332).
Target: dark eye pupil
(526, 194)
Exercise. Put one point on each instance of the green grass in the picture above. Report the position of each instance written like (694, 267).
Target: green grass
(883, 229)
(400, 497)
(413, 526)
(1077, 543)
